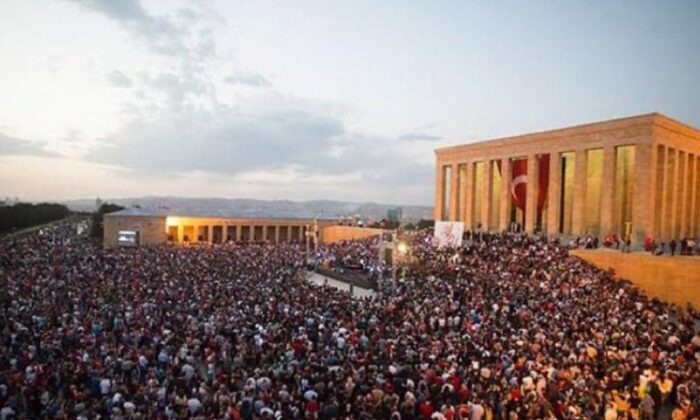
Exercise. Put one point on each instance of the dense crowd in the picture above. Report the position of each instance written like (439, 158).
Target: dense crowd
(353, 256)
(506, 327)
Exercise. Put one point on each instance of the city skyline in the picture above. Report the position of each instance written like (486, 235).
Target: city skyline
(303, 101)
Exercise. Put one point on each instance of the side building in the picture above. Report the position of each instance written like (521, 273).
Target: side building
(135, 226)
(636, 176)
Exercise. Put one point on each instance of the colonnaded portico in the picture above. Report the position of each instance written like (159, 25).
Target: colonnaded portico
(156, 226)
(637, 176)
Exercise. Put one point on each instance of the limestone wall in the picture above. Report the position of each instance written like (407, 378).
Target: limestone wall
(151, 229)
(671, 279)
(334, 234)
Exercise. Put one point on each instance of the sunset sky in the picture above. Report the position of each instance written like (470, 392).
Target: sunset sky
(314, 99)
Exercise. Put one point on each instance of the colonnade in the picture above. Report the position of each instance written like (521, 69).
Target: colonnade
(222, 232)
(640, 190)
(479, 193)
(676, 192)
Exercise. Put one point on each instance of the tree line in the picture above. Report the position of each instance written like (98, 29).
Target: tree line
(24, 215)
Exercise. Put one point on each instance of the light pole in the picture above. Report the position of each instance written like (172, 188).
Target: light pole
(306, 239)
(399, 250)
(315, 233)
(312, 233)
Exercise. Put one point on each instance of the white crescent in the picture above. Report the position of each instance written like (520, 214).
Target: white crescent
(520, 179)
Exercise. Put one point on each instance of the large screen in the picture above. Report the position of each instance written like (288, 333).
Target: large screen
(127, 238)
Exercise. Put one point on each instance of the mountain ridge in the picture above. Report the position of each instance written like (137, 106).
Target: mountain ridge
(249, 207)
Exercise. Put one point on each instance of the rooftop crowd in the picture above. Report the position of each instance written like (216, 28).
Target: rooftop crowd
(506, 327)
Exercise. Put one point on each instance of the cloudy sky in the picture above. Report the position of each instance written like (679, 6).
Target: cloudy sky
(314, 99)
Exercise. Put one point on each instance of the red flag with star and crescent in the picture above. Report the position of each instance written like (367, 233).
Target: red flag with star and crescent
(520, 178)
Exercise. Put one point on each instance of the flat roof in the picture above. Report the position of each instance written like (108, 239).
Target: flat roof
(596, 126)
(213, 214)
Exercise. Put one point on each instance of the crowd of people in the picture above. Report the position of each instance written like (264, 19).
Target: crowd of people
(353, 256)
(684, 246)
(508, 326)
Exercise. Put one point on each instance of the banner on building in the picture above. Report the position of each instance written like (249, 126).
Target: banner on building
(448, 234)
(518, 184)
(520, 180)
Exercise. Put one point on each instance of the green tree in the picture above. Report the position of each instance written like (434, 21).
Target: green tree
(23, 215)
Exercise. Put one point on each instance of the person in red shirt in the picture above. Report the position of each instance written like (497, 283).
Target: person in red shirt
(426, 409)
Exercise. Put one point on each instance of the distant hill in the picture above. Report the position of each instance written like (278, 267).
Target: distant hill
(243, 207)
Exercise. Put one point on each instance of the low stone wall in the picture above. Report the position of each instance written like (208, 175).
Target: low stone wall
(332, 234)
(671, 279)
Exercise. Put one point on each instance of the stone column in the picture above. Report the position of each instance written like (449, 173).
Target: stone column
(239, 229)
(683, 216)
(210, 233)
(607, 197)
(454, 192)
(486, 199)
(554, 194)
(277, 234)
(469, 197)
(665, 196)
(531, 194)
(651, 191)
(180, 233)
(696, 194)
(642, 217)
(439, 193)
(579, 205)
(693, 196)
(506, 181)
(673, 216)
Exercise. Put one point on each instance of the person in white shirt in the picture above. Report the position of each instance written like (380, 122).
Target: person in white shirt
(7, 413)
(105, 386)
(193, 405)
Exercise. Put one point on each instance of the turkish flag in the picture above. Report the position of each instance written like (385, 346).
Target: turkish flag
(518, 186)
(520, 181)
(542, 181)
